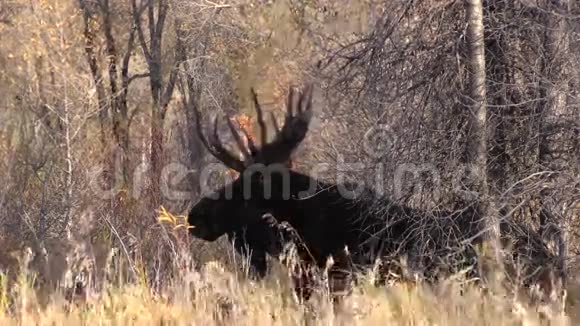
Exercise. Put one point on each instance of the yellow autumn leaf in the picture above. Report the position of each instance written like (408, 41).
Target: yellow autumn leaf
(164, 215)
(165, 218)
(183, 226)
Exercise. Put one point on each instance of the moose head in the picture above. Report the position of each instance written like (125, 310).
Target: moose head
(264, 178)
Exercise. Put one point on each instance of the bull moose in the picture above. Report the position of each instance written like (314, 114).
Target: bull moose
(351, 230)
(328, 223)
(267, 185)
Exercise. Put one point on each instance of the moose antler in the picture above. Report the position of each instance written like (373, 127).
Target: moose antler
(296, 122)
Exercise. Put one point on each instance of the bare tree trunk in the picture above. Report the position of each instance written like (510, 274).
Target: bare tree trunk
(118, 97)
(161, 92)
(477, 141)
(503, 94)
(89, 36)
(192, 91)
(112, 104)
(68, 170)
(552, 90)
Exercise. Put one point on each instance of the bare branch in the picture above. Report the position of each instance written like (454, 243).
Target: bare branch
(137, 12)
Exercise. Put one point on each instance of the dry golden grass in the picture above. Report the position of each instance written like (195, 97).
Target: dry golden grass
(214, 296)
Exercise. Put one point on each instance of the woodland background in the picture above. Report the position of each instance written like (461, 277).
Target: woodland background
(100, 94)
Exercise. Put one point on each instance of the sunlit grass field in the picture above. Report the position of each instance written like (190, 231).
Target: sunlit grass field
(212, 295)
